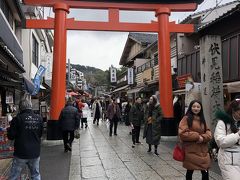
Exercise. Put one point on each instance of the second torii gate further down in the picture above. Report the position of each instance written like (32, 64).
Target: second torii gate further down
(163, 27)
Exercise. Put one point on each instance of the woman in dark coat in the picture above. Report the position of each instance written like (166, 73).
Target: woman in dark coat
(153, 117)
(97, 111)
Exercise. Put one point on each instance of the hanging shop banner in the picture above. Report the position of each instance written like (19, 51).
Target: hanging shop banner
(113, 74)
(130, 75)
(37, 79)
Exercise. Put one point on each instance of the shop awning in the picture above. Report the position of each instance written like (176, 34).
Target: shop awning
(72, 93)
(28, 85)
(7, 80)
(233, 87)
(120, 88)
(179, 92)
(135, 90)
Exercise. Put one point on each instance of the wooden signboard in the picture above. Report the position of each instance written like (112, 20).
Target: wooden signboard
(182, 80)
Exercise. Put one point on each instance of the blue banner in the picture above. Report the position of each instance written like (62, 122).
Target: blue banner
(37, 79)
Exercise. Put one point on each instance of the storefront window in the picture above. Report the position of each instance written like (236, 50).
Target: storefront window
(35, 50)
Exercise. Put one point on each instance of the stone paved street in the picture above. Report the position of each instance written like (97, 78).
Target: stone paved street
(97, 156)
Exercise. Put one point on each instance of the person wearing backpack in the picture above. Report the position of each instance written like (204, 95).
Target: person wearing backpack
(227, 137)
(195, 135)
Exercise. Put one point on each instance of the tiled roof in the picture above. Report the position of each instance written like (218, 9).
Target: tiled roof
(143, 38)
(199, 14)
(228, 13)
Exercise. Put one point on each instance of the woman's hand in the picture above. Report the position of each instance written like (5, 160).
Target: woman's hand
(238, 132)
(149, 121)
(200, 140)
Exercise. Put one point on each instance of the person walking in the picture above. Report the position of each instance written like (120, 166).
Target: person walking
(26, 131)
(227, 137)
(126, 114)
(136, 116)
(97, 111)
(195, 135)
(152, 129)
(114, 114)
(69, 121)
(85, 114)
(178, 110)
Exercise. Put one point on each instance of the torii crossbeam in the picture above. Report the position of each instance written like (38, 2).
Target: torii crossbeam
(163, 27)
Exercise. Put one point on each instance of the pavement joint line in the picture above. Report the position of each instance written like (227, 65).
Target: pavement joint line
(136, 155)
(96, 149)
(107, 139)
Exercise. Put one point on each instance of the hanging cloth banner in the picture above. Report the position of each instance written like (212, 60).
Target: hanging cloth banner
(37, 79)
(130, 76)
(113, 74)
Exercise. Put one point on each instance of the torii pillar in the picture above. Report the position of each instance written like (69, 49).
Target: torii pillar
(59, 69)
(165, 78)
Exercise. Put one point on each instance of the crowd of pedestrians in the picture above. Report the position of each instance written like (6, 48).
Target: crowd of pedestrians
(193, 131)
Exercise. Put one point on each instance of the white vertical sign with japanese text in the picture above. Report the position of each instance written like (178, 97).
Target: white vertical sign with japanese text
(130, 76)
(113, 74)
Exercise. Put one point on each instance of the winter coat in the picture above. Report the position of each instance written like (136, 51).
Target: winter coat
(126, 112)
(69, 118)
(229, 148)
(197, 156)
(136, 114)
(94, 108)
(152, 132)
(26, 131)
(110, 111)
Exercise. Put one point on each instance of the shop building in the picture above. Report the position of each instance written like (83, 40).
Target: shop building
(134, 56)
(11, 55)
(219, 21)
(38, 50)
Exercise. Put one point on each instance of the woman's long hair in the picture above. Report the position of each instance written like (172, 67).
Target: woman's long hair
(233, 107)
(190, 115)
(152, 105)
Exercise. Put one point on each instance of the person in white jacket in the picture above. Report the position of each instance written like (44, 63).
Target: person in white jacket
(227, 137)
(85, 114)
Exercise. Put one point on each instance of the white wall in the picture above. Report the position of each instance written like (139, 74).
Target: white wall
(27, 56)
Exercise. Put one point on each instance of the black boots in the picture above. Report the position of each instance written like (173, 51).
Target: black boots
(149, 148)
(155, 152)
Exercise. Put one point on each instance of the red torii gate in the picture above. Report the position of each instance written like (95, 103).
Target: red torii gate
(61, 24)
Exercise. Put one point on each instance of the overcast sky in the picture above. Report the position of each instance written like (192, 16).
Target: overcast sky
(103, 49)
